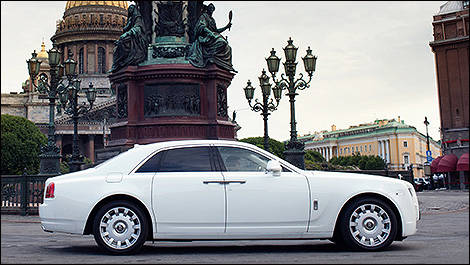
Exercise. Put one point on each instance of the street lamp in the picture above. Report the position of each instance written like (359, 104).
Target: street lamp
(295, 149)
(427, 151)
(68, 96)
(50, 153)
(267, 105)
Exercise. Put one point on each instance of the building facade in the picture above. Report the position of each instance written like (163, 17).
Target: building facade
(451, 50)
(400, 145)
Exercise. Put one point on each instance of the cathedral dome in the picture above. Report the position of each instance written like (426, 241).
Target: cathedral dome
(91, 20)
(121, 4)
(43, 54)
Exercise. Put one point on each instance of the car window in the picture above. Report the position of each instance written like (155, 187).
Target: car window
(189, 159)
(239, 159)
(151, 165)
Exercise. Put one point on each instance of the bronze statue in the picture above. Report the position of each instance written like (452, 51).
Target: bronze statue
(209, 45)
(132, 46)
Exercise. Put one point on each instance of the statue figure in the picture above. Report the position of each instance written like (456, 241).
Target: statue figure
(209, 45)
(170, 19)
(131, 47)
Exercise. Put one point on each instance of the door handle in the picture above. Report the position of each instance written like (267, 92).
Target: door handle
(224, 181)
(213, 181)
(236, 181)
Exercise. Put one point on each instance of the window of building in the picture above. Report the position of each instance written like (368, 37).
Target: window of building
(405, 143)
(340, 151)
(357, 149)
(361, 148)
(370, 148)
(406, 159)
(101, 60)
(81, 66)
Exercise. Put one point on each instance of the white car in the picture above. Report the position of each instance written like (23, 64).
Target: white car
(224, 190)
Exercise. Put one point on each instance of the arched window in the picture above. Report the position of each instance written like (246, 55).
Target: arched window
(101, 60)
(81, 66)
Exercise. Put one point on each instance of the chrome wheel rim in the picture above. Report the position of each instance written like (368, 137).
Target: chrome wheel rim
(370, 225)
(120, 228)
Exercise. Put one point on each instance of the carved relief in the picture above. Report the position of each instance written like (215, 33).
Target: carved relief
(168, 52)
(171, 100)
(122, 101)
(221, 101)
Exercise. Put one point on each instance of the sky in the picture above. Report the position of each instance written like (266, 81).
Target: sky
(374, 59)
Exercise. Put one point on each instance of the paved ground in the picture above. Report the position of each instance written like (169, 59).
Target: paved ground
(442, 237)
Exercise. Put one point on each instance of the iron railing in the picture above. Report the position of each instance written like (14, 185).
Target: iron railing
(22, 194)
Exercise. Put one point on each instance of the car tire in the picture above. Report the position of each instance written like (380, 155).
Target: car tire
(368, 224)
(120, 227)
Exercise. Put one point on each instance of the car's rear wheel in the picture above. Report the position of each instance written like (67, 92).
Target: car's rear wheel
(120, 227)
(368, 224)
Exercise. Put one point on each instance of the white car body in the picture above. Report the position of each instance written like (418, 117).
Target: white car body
(195, 206)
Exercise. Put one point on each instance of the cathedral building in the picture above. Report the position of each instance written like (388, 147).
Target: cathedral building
(88, 29)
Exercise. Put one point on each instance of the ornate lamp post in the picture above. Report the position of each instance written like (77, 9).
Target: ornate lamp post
(431, 179)
(295, 149)
(68, 96)
(267, 104)
(50, 153)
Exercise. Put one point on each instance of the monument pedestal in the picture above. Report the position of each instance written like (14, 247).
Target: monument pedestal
(162, 102)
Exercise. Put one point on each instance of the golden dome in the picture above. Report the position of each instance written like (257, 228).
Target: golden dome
(122, 4)
(43, 54)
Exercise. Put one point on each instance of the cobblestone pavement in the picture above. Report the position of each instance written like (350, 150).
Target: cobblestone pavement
(442, 237)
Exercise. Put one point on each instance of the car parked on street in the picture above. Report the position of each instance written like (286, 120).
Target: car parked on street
(224, 190)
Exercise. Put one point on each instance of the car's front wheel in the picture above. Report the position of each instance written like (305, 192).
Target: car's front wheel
(120, 227)
(368, 224)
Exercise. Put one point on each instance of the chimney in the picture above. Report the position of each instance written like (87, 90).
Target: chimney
(399, 119)
(333, 128)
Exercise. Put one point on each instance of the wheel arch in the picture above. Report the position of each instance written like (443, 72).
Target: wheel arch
(89, 223)
(392, 205)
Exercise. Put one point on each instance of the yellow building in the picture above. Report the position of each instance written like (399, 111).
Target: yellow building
(399, 144)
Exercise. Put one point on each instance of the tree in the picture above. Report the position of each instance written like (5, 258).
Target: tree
(362, 162)
(314, 160)
(275, 147)
(21, 142)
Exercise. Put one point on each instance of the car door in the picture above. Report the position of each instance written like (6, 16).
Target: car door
(260, 204)
(188, 199)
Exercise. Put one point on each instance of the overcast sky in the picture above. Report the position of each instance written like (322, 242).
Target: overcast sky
(374, 59)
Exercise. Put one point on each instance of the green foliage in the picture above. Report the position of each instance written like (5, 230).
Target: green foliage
(65, 164)
(314, 156)
(64, 167)
(314, 160)
(275, 147)
(361, 162)
(21, 142)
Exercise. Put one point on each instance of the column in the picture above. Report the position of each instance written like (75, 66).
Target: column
(58, 142)
(85, 59)
(387, 151)
(380, 149)
(91, 147)
(96, 57)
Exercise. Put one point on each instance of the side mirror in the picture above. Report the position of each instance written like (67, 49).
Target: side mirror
(274, 167)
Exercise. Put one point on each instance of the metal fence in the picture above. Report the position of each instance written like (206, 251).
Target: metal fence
(22, 194)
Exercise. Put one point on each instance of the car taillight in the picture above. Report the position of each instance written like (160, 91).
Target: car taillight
(50, 190)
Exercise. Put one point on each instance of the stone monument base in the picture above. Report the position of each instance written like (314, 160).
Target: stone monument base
(162, 102)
